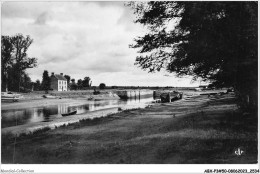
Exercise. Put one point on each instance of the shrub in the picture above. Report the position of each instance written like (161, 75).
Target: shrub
(102, 86)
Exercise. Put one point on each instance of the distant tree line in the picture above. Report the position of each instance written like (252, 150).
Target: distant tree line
(15, 61)
(81, 84)
(45, 85)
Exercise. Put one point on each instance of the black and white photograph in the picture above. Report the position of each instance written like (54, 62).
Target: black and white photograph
(129, 82)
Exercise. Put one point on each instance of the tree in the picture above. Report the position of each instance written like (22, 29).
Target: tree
(21, 45)
(26, 83)
(37, 85)
(86, 82)
(102, 86)
(73, 85)
(13, 79)
(45, 81)
(79, 83)
(215, 41)
(6, 60)
(68, 78)
(15, 60)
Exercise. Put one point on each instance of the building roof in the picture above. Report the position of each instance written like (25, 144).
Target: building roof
(60, 77)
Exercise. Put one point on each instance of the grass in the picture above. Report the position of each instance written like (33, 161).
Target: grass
(134, 137)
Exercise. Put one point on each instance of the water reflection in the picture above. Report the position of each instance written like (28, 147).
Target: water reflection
(49, 113)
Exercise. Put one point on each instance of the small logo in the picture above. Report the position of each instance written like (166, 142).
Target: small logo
(239, 151)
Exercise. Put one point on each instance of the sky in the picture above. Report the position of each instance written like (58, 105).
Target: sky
(84, 39)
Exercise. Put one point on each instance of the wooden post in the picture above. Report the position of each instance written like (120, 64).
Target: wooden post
(169, 97)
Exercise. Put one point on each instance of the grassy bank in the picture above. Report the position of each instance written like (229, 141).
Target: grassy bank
(204, 131)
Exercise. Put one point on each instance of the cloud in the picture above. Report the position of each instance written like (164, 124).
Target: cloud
(24, 9)
(80, 39)
(127, 19)
(106, 3)
(42, 18)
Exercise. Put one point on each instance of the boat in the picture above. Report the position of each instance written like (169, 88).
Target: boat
(9, 96)
(170, 96)
(70, 113)
(197, 89)
(49, 96)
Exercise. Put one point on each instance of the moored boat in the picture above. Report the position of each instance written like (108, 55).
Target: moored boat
(9, 96)
(49, 96)
(70, 113)
(170, 96)
(197, 89)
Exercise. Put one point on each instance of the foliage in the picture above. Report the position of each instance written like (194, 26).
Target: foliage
(37, 85)
(73, 85)
(6, 59)
(26, 83)
(102, 86)
(21, 45)
(215, 41)
(45, 81)
(79, 83)
(86, 82)
(68, 78)
(13, 81)
(14, 60)
(22, 61)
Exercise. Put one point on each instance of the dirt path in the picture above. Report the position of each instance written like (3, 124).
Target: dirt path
(194, 130)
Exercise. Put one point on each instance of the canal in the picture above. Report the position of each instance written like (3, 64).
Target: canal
(49, 113)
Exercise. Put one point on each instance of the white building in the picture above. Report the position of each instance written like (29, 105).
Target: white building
(58, 82)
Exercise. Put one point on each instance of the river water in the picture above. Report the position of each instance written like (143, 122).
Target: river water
(49, 113)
